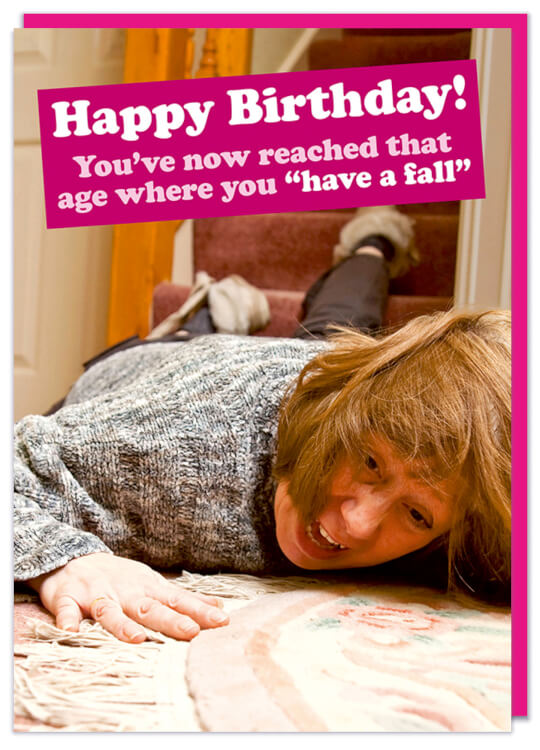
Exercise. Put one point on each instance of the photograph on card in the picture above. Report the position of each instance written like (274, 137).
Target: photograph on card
(262, 379)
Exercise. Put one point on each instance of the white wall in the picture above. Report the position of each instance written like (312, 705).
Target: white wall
(61, 276)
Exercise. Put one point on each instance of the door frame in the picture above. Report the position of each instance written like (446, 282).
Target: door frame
(484, 251)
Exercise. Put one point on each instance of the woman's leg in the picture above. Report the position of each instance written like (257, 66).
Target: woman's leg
(375, 245)
(353, 294)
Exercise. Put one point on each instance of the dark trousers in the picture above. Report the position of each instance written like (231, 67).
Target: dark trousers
(353, 294)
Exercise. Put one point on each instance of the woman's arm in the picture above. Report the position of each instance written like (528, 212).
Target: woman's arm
(103, 476)
(76, 575)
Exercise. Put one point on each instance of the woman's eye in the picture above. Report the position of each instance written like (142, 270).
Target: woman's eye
(419, 519)
(372, 464)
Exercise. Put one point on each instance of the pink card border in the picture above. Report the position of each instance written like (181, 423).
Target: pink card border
(517, 22)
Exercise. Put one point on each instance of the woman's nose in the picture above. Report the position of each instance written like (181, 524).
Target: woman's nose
(363, 515)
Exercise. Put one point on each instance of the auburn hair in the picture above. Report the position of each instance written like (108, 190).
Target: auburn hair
(437, 389)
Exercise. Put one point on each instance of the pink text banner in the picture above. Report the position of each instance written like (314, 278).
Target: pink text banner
(261, 144)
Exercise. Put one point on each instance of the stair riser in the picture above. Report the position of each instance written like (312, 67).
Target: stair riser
(289, 251)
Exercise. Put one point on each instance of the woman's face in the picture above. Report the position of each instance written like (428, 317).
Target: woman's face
(376, 513)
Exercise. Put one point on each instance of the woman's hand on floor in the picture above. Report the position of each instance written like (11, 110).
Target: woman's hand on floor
(122, 595)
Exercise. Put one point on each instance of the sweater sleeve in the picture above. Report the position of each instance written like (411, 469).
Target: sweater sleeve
(116, 469)
(43, 544)
(46, 499)
(102, 475)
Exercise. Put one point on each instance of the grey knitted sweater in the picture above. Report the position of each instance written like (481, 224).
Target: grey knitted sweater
(162, 453)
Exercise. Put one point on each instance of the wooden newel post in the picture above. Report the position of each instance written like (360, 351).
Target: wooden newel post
(142, 254)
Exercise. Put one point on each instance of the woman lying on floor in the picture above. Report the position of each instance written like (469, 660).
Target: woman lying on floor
(267, 456)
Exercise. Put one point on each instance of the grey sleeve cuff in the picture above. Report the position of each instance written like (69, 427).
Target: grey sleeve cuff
(41, 544)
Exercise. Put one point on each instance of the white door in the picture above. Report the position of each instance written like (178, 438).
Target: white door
(61, 276)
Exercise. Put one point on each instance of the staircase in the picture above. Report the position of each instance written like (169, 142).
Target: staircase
(283, 254)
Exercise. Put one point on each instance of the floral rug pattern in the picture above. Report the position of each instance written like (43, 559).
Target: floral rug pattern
(355, 659)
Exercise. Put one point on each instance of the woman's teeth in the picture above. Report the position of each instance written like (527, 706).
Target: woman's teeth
(316, 529)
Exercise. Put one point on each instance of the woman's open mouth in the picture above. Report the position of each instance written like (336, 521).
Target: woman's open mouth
(320, 536)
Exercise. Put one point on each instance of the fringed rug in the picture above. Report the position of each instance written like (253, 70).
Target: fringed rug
(320, 657)
(90, 681)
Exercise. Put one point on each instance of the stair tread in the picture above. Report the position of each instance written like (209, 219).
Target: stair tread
(364, 51)
(403, 32)
(441, 208)
(285, 307)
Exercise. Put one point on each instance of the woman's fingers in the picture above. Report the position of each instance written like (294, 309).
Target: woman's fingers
(153, 614)
(68, 613)
(212, 600)
(109, 613)
(177, 614)
(191, 604)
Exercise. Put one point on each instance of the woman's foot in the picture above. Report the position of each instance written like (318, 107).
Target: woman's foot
(385, 229)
